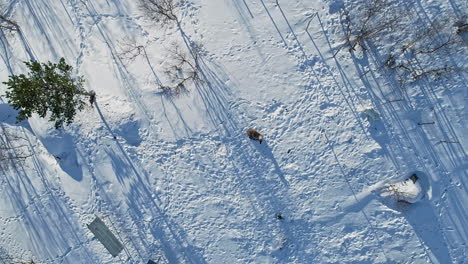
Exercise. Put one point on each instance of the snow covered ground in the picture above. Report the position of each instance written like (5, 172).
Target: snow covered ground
(177, 178)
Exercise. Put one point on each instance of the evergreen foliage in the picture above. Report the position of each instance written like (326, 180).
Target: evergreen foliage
(47, 89)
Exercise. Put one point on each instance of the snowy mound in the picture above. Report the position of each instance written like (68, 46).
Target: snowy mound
(406, 191)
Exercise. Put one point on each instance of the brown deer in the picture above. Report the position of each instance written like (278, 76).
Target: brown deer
(254, 135)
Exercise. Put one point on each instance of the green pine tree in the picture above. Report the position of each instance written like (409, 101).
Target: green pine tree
(47, 89)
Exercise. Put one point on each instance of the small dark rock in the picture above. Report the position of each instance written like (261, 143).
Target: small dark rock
(414, 178)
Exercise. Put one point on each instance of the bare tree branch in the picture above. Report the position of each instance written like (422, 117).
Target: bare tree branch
(10, 150)
(8, 24)
(183, 69)
(161, 11)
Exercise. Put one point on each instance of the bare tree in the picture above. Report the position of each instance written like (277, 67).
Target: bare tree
(420, 49)
(179, 69)
(12, 148)
(182, 69)
(367, 20)
(161, 11)
(6, 23)
(432, 44)
(131, 51)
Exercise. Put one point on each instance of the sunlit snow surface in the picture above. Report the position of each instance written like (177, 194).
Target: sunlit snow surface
(177, 179)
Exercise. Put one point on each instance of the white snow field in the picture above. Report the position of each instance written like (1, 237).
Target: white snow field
(177, 179)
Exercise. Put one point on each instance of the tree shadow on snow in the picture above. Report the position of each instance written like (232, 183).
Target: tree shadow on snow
(8, 115)
(62, 146)
(58, 143)
(265, 150)
(41, 210)
(424, 218)
(141, 200)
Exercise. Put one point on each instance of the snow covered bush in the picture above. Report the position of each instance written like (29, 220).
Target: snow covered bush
(408, 191)
(47, 89)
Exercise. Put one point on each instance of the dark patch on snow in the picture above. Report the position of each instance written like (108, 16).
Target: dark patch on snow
(335, 6)
(423, 216)
(130, 131)
(8, 115)
(62, 146)
(265, 150)
(279, 216)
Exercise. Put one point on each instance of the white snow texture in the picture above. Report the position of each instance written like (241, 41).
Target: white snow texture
(174, 175)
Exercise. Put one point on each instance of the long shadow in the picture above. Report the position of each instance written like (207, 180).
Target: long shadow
(59, 144)
(43, 224)
(424, 217)
(125, 77)
(426, 87)
(6, 47)
(6, 51)
(454, 157)
(44, 227)
(274, 23)
(27, 46)
(59, 206)
(68, 14)
(216, 96)
(275, 196)
(248, 9)
(309, 63)
(8, 115)
(358, 200)
(378, 132)
(456, 9)
(127, 159)
(248, 25)
(240, 7)
(107, 206)
(162, 228)
(41, 28)
(291, 29)
(419, 141)
(141, 199)
(390, 111)
(62, 146)
(265, 150)
(164, 96)
(345, 80)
